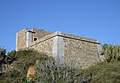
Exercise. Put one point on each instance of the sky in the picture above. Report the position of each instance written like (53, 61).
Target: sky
(96, 19)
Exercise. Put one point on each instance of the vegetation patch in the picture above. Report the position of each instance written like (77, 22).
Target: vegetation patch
(111, 52)
(105, 72)
(23, 59)
(48, 71)
(51, 72)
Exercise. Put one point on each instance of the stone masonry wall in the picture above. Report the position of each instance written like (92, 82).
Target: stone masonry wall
(75, 51)
(80, 54)
(39, 33)
(21, 39)
(44, 45)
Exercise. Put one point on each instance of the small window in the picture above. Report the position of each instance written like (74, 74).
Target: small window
(34, 39)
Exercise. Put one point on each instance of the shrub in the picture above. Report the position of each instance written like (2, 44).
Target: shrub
(24, 59)
(111, 52)
(2, 55)
(12, 54)
(105, 72)
(2, 52)
(51, 72)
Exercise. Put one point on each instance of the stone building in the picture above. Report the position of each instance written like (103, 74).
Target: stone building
(75, 51)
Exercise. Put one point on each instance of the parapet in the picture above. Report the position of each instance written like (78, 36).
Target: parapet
(70, 36)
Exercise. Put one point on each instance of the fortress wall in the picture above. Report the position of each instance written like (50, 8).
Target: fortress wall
(44, 45)
(21, 39)
(75, 51)
(80, 54)
(71, 36)
(39, 33)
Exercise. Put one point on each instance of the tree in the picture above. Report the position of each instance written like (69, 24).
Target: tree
(2, 57)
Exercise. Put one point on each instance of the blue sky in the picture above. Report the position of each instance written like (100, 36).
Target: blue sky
(97, 19)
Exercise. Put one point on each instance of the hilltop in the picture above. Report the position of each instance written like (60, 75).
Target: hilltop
(47, 71)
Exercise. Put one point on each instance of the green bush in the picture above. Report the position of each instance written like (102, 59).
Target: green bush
(51, 72)
(2, 51)
(24, 59)
(111, 52)
(12, 54)
(2, 55)
(10, 77)
(105, 72)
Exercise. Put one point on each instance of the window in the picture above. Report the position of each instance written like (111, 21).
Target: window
(35, 39)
